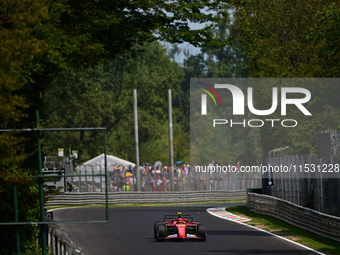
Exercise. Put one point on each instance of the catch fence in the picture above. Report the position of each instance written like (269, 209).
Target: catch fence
(314, 190)
(125, 180)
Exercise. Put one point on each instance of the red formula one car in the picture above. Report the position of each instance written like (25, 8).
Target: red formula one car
(179, 227)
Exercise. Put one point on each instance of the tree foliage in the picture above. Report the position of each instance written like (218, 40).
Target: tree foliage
(18, 47)
(275, 36)
(325, 34)
(102, 97)
(41, 39)
(290, 39)
(223, 62)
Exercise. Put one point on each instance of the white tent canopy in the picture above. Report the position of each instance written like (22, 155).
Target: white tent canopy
(97, 164)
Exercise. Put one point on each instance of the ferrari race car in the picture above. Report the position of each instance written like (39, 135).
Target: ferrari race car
(179, 227)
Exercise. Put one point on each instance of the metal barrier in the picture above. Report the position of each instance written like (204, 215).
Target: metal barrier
(88, 198)
(302, 217)
(60, 243)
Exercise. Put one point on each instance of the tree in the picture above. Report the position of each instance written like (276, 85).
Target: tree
(228, 60)
(219, 62)
(325, 34)
(18, 47)
(102, 96)
(275, 37)
(290, 39)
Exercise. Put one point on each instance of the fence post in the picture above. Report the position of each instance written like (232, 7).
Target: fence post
(171, 145)
(138, 178)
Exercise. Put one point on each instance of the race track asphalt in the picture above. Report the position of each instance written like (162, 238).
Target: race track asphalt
(130, 231)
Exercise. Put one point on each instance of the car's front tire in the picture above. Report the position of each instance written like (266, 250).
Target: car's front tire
(161, 232)
(155, 228)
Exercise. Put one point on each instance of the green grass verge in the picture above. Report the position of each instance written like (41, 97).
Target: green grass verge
(288, 231)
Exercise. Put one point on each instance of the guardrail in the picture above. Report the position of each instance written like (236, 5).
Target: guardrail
(88, 198)
(60, 243)
(302, 217)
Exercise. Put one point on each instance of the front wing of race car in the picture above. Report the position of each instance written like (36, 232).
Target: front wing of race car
(182, 231)
(164, 231)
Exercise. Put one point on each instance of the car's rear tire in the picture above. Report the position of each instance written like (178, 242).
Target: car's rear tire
(161, 232)
(155, 228)
(202, 232)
